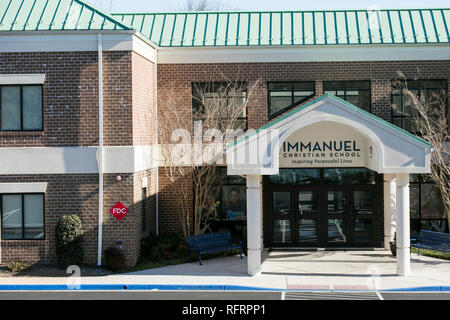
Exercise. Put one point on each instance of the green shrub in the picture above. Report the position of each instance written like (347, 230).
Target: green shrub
(171, 241)
(148, 244)
(69, 241)
(16, 266)
(155, 254)
(114, 259)
(165, 245)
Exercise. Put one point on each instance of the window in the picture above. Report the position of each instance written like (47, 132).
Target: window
(355, 92)
(226, 205)
(22, 216)
(426, 206)
(20, 107)
(428, 91)
(286, 95)
(212, 95)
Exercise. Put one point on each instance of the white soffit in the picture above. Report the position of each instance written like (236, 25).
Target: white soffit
(31, 187)
(75, 41)
(304, 54)
(6, 79)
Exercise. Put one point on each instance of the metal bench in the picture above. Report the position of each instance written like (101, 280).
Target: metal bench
(431, 240)
(212, 242)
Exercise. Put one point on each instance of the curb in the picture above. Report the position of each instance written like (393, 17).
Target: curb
(171, 287)
(130, 287)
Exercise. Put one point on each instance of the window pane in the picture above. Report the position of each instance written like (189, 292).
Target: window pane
(432, 205)
(10, 105)
(415, 227)
(296, 177)
(349, 176)
(12, 217)
(397, 105)
(278, 103)
(435, 225)
(307, 230)
(336, 201)
(32, 107)
(280, 86)
(34, 216)
(363, 230)
(300, 95)
(353, 99)
(364, 100)
(398, 122)
(362, 202)
(281, 231)
(414, 201)
(307, 202)
(309, 86)
(281, 202)
(336, 231)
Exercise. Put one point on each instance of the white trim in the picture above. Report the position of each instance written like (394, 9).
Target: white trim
(75, 160)
(31, 187)
(22, 78)
(75, 41)
(304, 54)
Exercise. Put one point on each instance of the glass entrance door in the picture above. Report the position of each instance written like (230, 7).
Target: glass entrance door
(323, 216)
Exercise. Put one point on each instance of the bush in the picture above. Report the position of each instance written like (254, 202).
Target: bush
(148, 244)
(69, 241)
(165, 245)
(114, 259)
(16, 266)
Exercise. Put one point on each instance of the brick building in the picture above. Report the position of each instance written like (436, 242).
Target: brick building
(53, 156)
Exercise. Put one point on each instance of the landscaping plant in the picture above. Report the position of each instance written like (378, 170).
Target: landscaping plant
(69, 241)
(114, 259)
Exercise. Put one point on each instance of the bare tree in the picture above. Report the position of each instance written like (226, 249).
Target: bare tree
(192, 145)
(204, 5)
(429, 120)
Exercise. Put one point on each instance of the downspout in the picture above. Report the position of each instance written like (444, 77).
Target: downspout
(157, 143)
(100, 148)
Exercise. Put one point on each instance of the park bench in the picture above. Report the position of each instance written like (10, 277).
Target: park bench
(431, 240)
(212, 242)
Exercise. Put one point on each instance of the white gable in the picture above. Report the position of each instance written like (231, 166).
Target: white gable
(328, 132)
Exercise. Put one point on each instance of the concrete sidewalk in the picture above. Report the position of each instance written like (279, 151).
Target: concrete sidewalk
(281, 270)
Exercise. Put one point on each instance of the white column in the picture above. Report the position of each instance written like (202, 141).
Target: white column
(254, 218)
(403, 233)
(389, 209)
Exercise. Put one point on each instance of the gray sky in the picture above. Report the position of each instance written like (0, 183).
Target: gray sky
(171, 5)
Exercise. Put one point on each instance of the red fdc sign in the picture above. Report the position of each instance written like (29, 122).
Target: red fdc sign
(119, 211)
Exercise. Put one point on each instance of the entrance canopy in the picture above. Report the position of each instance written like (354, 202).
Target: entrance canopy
(328, 132)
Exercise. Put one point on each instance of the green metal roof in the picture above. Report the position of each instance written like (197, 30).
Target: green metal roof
(54, 15)
(196, 29)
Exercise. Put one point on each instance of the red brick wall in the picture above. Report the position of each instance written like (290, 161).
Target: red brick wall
(175, 86)
(143, 81)
(78, 194)
(70, 94)
(70, 97)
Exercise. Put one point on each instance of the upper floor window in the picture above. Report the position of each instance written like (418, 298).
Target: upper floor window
(22, 216)
(20, 107)
(355, 92)
(286, 95)
(220, 101)
(427, 91)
